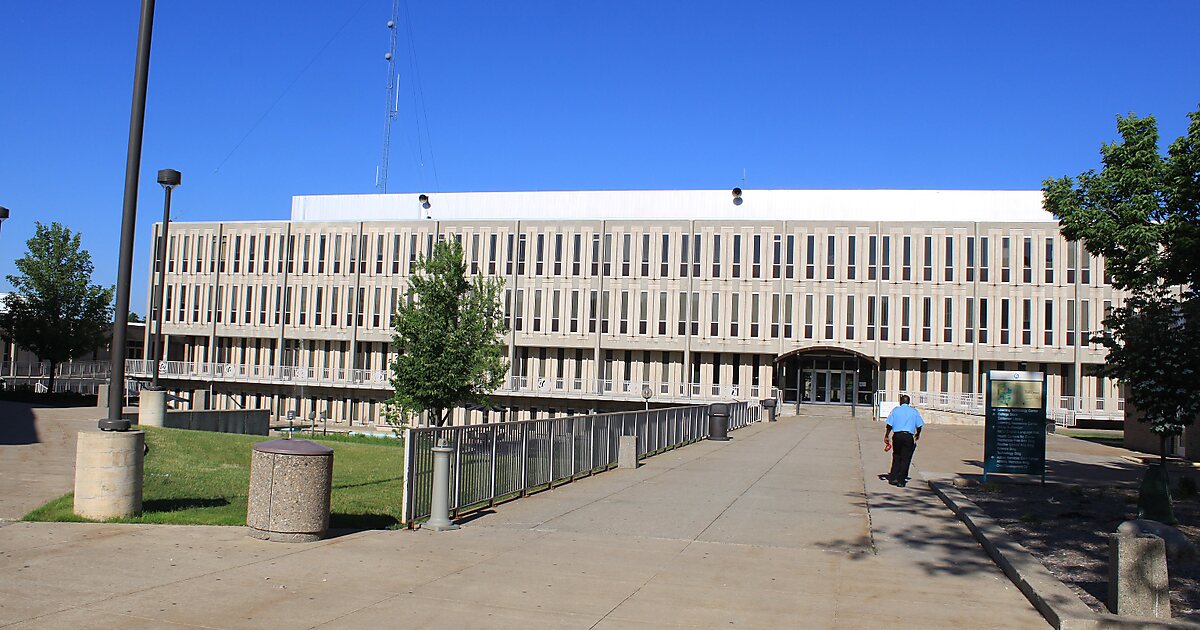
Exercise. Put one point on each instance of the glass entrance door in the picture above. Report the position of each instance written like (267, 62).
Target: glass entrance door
(827, 379)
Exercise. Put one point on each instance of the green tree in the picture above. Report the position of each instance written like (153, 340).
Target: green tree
(1142, 213)
(448, 337)
(54, 310)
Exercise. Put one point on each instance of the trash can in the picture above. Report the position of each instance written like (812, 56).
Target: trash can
(290, 482)
(718, 422)
(769, 404)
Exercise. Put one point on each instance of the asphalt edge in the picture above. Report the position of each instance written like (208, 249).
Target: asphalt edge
(1056, 602)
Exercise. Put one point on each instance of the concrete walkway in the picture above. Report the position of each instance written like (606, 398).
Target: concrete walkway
(784, 526)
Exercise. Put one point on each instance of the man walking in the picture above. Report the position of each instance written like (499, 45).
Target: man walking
(905, 424)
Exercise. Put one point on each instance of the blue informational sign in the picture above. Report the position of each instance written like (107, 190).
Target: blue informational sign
(1015, 426)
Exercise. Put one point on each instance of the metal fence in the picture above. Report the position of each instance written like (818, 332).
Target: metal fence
(497, 462)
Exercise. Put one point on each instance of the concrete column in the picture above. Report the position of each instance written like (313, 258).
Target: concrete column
(108, 473)
(102, 396)
(152, 407)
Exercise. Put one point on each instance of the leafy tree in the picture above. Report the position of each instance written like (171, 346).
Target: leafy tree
(1142, 213)
(54, 310)
(134, 318)
(448, 337)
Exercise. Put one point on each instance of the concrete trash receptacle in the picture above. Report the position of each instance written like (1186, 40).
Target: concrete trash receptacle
(290, 482)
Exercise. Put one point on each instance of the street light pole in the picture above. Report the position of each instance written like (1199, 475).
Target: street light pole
(3, 215)
(168, 179)
(133, 162)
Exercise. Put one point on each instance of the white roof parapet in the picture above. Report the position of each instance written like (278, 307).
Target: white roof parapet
(946, 206)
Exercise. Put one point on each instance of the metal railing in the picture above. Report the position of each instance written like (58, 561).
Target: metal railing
(381, 379)
(492, 463)
(1065, 411)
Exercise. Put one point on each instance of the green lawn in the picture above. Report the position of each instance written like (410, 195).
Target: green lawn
(202, 478)
(1099, 436)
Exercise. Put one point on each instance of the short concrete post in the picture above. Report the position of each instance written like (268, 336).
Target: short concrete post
(718, 422)
(439, 500)
(627, 451)
(108, 473)
(152, 407)
(102, 396)
(1137, 576)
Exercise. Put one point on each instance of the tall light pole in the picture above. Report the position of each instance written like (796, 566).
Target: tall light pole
(168, 179)
(133, 164)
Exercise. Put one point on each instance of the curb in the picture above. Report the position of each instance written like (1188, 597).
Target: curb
(1056, 602)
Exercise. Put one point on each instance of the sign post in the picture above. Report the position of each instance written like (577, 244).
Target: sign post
(1015, 426)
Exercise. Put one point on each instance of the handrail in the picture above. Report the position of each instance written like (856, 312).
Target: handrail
(501, 461)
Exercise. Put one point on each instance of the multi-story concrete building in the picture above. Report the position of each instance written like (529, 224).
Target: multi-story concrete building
(814, 296)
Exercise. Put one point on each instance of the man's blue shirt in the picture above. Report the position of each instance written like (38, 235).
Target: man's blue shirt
(905, 418)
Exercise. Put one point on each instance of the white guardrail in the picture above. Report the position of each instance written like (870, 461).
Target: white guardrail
(514, 385)
(1065, 411)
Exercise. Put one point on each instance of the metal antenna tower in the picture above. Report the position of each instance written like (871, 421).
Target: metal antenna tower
(393, 100)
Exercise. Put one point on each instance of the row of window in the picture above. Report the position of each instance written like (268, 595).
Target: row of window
(662, 313)
(922, 258)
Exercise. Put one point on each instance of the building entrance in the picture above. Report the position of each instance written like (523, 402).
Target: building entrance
(827, 378)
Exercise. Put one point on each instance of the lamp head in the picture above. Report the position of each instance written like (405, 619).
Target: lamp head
(3, 213)
(169, 178)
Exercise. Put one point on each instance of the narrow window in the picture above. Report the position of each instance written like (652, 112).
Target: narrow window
(969, 331)
(926, 319)
(872, 257)
(927, 267)
(662, 312)
(810, 254)
(850, 317)
(906, 272)
(576, 254)
(970, 259)
(790, 267)
(1050, 261)
(886, 259)
(756, 263)
(754, 313)
(787, 315)
(735, 313)
(643, 311)
(555, 311)
(624, 313)
(983, 320)
(851, 257)
(775, 315)
(871, 317)
(1004, 321)
(1048, 316)
(828, 317)
(948, 320)
(1027, 261)
(646, 255)
(737, 255)
(716, 256)
(905, 318)
(574, 311)
(558, 254)
(984, 259)
(808, 316)
(883, 318)
(949, 277)
(1005, 259)
(714, 316)
(830, 256)
(777, 256)
(664, 268)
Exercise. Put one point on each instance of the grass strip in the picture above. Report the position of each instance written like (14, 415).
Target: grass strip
(203, 478)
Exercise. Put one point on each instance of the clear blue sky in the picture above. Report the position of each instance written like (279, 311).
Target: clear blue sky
(564, 95)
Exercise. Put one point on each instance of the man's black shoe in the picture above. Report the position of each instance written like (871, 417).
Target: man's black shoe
(895, 483)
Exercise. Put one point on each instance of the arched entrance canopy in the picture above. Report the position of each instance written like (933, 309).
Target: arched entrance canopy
(825, 350)
(826, 375)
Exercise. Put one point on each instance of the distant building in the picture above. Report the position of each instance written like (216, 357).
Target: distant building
(18, 365)
(813, 296)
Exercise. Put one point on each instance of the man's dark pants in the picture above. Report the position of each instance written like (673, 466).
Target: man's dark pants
(903, 446)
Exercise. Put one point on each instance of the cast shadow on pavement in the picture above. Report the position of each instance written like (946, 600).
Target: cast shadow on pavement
(17, 425)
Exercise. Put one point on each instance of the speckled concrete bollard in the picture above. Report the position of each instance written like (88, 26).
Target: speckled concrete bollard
(290, 482)
(108, 473)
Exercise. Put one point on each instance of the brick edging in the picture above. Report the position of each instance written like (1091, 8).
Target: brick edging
(1060, 606)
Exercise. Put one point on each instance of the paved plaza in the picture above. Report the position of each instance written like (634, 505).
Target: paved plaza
(786, 525)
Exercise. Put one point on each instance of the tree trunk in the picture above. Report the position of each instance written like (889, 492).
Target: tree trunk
(50, 379)
(439, 418)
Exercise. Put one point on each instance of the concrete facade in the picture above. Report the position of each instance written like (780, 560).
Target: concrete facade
(894, 291)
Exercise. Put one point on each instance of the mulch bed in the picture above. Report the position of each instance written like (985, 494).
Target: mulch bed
(1065, 527)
